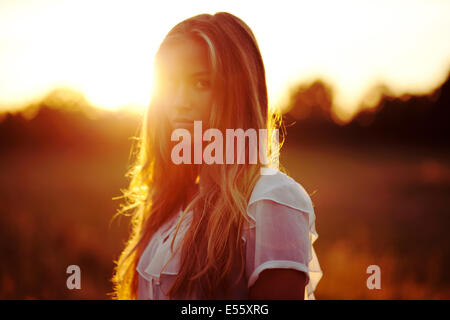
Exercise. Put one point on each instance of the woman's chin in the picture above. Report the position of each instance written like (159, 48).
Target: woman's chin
(183, 125)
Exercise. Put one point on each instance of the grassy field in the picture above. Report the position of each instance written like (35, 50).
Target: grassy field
(387, 206)
(378, 205)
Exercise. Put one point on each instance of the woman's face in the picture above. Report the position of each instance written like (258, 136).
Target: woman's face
(186, 83)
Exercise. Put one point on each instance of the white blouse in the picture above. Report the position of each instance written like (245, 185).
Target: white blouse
(281, 235)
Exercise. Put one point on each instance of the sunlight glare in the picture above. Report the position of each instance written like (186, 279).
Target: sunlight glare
(105, 49)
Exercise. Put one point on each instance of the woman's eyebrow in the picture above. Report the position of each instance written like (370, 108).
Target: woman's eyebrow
(200, 73)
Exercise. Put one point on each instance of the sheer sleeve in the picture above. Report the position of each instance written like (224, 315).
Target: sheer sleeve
(283, 231)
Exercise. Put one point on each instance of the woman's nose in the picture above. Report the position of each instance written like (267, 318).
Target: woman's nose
(181, 100)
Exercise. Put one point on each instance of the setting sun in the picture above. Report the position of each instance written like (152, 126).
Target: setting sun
(105, 49)
(197, 150)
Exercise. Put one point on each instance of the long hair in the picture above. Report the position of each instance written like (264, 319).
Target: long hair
(212, 245)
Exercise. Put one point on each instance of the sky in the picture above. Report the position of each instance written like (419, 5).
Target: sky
(105, 49)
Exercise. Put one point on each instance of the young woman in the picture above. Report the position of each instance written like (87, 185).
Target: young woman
(213, 231)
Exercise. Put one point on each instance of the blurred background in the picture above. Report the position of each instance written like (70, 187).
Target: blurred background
(364, 87)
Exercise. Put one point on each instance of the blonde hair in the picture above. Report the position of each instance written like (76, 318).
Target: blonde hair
(212, 245)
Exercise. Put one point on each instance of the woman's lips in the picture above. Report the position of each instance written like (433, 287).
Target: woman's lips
(183, 122)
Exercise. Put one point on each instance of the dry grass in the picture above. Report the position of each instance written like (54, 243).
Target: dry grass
(374, 205)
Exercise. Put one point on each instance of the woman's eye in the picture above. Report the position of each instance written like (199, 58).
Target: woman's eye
(202, 84)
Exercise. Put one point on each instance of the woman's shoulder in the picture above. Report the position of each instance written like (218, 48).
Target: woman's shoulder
(279, 187)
